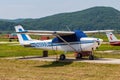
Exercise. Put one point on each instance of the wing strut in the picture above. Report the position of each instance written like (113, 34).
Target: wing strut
(65, 42)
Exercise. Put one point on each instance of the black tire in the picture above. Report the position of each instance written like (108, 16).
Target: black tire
(91, 57)
(10, 40)
(79, 56)
(62, 57)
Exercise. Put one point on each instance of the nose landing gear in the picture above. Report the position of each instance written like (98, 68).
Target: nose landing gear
(91, 57)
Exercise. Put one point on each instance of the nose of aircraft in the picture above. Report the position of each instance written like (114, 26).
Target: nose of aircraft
(99, 41)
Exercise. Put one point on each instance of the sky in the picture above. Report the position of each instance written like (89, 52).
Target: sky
(14, 9)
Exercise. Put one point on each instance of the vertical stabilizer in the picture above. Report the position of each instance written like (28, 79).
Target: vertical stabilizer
(111, 37)
(23, 38)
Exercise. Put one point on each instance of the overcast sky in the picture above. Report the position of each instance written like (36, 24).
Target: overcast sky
(13, 9)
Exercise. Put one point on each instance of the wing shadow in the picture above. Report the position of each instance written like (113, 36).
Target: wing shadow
(55, 64)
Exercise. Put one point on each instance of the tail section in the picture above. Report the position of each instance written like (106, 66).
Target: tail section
(111, 37)
(24, 39)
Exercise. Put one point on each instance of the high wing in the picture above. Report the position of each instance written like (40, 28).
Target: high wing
(39, 32)
(97, 31)
(61, 33)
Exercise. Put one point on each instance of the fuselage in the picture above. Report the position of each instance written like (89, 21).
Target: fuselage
(115, 43)
(85, 44)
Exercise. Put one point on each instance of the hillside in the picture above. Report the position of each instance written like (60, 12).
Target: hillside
(90, 19)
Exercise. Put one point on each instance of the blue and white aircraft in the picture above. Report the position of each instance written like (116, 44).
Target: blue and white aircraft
(75, 41)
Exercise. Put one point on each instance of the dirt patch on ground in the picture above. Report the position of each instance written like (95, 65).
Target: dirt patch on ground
(97, 60)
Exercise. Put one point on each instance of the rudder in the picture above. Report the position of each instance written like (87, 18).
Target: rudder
(23, 38)
(111, 36)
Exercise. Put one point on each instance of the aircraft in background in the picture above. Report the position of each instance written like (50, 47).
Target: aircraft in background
(75, 41)
(112, 39)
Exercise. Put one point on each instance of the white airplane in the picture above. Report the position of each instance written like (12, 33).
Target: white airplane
(75, 41)
(112, 39)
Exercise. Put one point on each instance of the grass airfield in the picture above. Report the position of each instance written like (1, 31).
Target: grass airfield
(40, 70)
(43, 70)
(11, 69)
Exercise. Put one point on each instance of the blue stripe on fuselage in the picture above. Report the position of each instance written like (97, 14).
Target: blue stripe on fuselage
(49, 44)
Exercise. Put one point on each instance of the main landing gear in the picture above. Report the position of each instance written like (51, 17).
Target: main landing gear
(87, 53)
(79, 56)
(62, 57)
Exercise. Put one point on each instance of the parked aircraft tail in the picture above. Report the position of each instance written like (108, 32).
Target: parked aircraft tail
(111, 37)
(24, 39)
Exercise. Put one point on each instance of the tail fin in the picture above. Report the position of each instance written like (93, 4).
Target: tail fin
(111, 36)
(23, 38)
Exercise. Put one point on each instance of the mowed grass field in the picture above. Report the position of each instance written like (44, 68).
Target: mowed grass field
(43, 70)
(40, 70)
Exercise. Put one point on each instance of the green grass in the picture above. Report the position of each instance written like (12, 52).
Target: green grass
(9, 50)
(107, 47)
(107, 55)
(104, 47)
(12, 50)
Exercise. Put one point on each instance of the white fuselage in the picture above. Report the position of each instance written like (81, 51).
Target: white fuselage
(85, 44)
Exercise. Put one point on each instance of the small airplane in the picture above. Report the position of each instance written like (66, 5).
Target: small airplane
(75, 41)
(112, 39)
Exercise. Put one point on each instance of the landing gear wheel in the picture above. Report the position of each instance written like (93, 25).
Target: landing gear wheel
(91, 57)
(79, 56)
(62, 57)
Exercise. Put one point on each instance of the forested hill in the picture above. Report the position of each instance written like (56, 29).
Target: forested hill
(94, 18)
